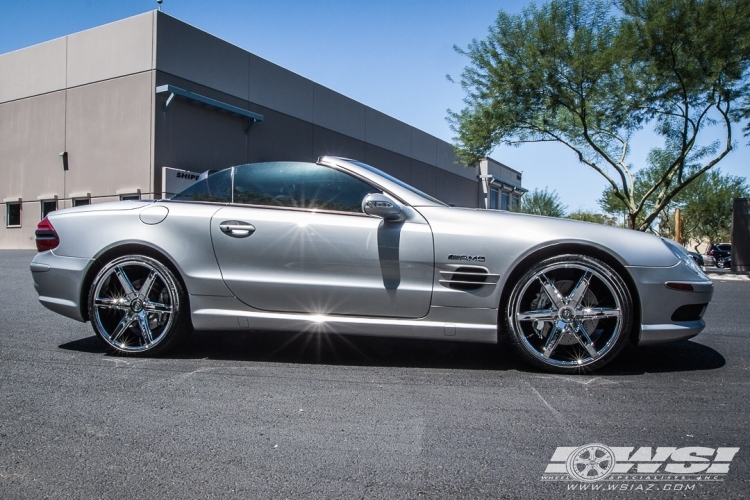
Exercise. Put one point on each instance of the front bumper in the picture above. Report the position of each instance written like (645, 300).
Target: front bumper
(58, 281)
(659, 303)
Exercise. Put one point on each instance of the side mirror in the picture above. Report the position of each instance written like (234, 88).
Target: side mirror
(380, 205)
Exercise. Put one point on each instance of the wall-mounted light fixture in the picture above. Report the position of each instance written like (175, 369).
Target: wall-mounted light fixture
(64, 156)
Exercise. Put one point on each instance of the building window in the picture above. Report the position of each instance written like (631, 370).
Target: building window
(129, 197)
(505, 200)
(48, 206)
(493, 198)
(515, 202)
(79, 202)
(13, 215)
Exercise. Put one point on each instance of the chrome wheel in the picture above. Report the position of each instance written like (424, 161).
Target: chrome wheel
(134, 304)
(568, 313)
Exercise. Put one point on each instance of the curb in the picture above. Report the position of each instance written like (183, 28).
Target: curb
(728, 277)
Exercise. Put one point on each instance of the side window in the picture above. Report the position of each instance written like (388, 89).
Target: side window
(48, 206)
(13, 215)
(216, 187)
(299, 185)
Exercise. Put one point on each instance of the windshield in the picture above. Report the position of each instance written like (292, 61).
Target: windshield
(399, 182)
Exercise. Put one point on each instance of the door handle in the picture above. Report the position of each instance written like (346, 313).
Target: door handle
(238, 229)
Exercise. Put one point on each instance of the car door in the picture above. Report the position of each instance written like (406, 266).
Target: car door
(295, 240)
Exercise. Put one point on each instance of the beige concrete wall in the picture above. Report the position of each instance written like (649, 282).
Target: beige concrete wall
(32, 135)
(21, 237)
(116, 49)
(108, 136)
(34, 70)
(500, 171)
(109, 51)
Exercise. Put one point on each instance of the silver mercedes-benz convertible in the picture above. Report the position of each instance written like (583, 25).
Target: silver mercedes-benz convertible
(340, 247)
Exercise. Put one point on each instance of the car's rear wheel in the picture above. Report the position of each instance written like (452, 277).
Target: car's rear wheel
(137, 306)
(569, 314)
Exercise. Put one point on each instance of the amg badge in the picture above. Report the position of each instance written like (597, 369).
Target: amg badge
(475, 258)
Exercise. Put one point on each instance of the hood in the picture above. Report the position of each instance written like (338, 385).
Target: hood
(512, 229)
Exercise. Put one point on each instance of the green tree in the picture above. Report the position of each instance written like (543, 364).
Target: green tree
(705, 205)
(587, 76)
(591, 216)
(538, 202)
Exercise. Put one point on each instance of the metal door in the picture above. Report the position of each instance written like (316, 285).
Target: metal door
(289, 260)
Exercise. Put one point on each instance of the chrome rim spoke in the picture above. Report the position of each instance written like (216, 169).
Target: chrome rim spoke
(145, 330)
(576, 296)
(127, 286)
(537, 315)
(554, 338)
(157, 307)
(108, 303)
(123, 325)
(146, 288)
(599, 313)
(582, 335)
(551, 290)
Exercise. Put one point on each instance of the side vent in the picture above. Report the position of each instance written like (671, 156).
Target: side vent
(468, 278)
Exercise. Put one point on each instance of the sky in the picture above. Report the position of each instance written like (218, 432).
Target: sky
(390, 55)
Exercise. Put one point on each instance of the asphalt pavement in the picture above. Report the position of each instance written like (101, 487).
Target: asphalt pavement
(269, 415)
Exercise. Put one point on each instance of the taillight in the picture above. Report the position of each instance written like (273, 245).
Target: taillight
(46, 237)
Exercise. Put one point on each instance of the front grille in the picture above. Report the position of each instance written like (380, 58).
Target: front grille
(690, 312)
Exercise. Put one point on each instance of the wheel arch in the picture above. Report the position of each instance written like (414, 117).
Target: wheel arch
(572, 248)
(118, 251)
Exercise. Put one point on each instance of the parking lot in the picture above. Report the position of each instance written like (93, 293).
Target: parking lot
(268, 415)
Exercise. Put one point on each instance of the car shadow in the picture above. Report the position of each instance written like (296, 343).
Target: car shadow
(328, 349)
(685, 356)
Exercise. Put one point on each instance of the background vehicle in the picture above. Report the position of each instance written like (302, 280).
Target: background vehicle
(698, 258)
(719, 251)
(708, 260)
(725, 262)
(339, 246)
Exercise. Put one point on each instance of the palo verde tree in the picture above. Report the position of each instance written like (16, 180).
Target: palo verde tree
(591, 74)
(706, 205)
(542, 202)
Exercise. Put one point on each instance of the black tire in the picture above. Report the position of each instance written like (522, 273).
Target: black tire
(558, 327)
(138, 307)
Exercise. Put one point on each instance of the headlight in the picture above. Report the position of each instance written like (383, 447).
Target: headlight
(685, 258)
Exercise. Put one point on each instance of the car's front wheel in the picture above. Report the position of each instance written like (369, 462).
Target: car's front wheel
(137, 306)
(569, 314)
